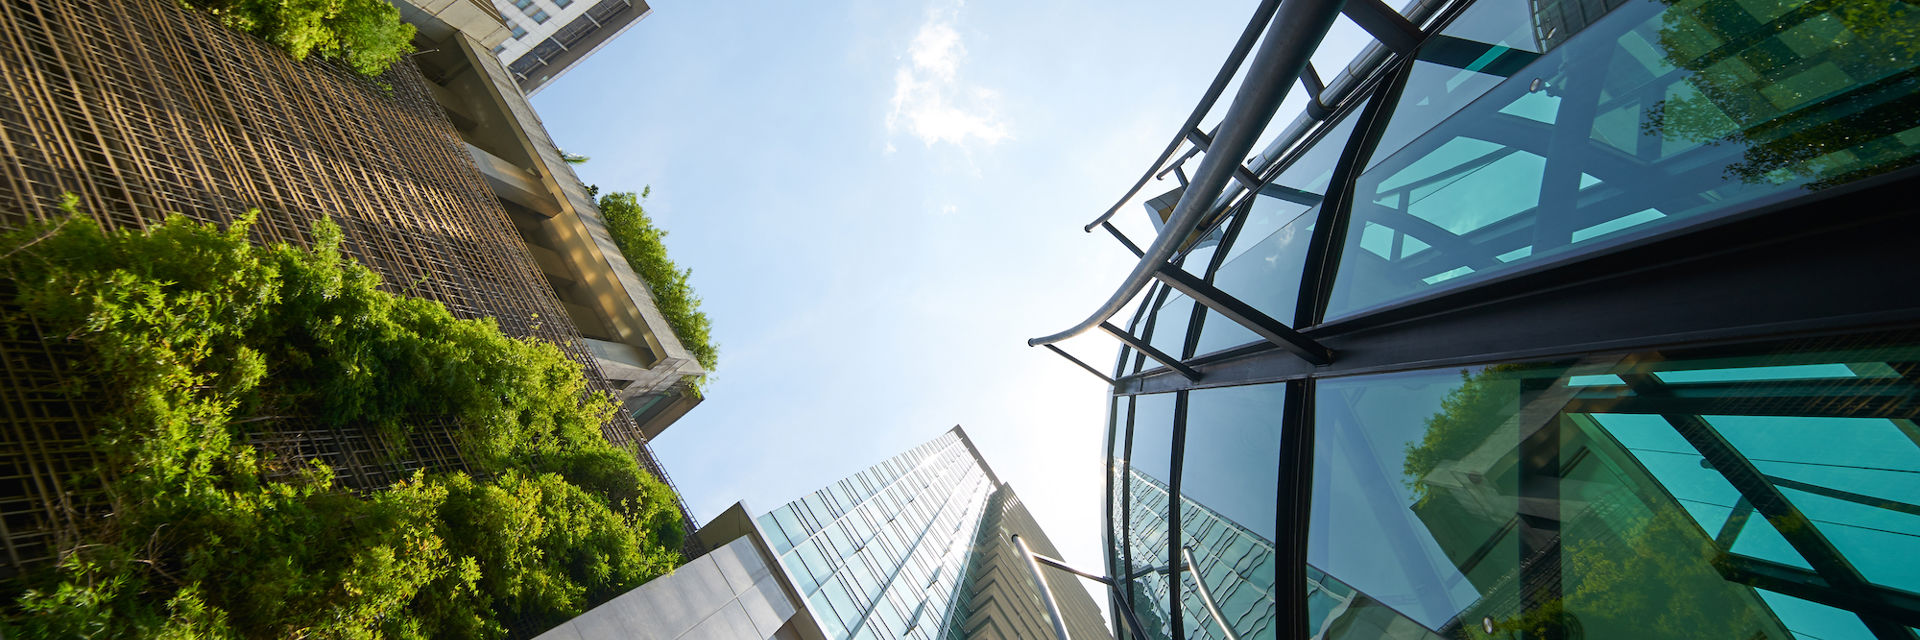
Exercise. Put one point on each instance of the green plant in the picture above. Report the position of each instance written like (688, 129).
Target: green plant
(646, 252)
(367, 35)
(195, 338)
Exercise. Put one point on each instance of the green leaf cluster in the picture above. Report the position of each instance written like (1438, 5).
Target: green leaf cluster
(194, 338)
(643, 243)
(367, 35)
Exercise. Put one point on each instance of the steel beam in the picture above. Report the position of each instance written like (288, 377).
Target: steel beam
(1123, 238)
(1385, 25)
(1157, 355)
(1875, 604)
(1245, 315)
(1083, 365)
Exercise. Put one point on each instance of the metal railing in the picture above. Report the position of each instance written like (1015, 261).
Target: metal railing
(1186, 564)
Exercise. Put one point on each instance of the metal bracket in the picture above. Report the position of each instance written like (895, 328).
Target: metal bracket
(1245, 315)
(1083, 365)
(1158, 356)
(1034, 560)
(1385, 24)
(1241, 174)
(1123, 239)
(1310, 80)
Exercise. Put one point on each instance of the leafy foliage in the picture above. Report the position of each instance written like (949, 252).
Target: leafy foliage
(646, 252)
(1468, 416)
(367, 35)
(194, 337)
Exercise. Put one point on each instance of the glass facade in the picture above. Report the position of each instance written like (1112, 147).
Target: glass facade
(1658, 115)
(892, 552)
(880, 554)
(1619, 296)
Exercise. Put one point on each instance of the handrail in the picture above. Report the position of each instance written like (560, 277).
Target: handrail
(1206, 595)
(1248, 36)
(1291, 38)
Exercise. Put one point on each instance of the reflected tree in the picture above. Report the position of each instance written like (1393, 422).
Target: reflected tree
(1822, 92)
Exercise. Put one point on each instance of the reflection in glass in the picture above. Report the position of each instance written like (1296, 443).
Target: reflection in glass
(1151, 465)
(1228, 484)
(865, 549)
(1655, 114)
(1614, 497)
(1264, 265)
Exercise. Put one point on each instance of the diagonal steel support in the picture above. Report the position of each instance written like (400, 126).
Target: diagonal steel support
(1158, 356)
(1896, 611)
(1133, 621)
(1245, 315)
(1384, 24)
(1829, 564)
(1201, 141)
(1310, 80)
(1083, 365)
(1123, 239)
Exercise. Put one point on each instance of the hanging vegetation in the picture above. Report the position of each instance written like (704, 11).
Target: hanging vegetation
(196, 338)
(367, 35)
(643, 243)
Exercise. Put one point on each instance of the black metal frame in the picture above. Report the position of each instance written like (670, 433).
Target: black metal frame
(1764, 275)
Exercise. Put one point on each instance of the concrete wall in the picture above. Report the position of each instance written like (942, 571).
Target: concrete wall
(731, 593)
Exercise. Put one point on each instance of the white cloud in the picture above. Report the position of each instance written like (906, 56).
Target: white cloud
(929, 100)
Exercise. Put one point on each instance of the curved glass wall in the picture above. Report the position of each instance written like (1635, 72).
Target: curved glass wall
(1660, 113)
(1619, 496)
(1650, 495)
(1752, 485)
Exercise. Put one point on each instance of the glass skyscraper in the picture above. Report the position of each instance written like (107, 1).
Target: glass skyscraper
(1546, 319)
(917, 547)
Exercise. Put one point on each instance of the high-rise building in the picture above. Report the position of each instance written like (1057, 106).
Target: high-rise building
(547, 37)
(438, 174)
(1575, 319)
(919, 547)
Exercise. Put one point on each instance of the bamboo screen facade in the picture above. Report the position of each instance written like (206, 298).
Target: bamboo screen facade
(143, 109)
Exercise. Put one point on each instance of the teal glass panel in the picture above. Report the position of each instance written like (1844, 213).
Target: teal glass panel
(1228, 485)
(1147, 534)
(1264, 266)
(1233, 453)
(1488, 39)
(1615, 496)
(1655, 116)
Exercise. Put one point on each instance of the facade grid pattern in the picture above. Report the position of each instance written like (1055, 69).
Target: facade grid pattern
(1621, 339)
(883, 554)
(142, 110)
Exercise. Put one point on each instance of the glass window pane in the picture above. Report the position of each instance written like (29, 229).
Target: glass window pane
(1170, 326)
(1619, 509)
(1651, 116)
(1228, 484)
(1264, 266)
(1147, 533)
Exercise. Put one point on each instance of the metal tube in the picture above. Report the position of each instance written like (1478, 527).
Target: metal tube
(1051, 562)
(1046, 594)
(1206, 597)
(1295, 32)
(1220, 80)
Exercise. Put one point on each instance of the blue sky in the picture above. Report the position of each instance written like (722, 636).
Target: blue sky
(880, 202)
